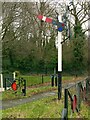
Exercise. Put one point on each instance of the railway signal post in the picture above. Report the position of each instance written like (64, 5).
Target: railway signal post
(59, 59)
(60, 28)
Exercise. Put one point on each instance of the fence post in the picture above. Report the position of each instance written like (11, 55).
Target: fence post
(87, 86)
(66, 102)
(5, 84)
(52, 80)
(78, 95)
(65, 109)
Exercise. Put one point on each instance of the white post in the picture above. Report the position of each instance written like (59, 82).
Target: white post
(59, 60)
(14, 75)
(1, 77)
(59, 47)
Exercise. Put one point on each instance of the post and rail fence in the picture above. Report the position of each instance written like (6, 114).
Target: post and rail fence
(73, 96)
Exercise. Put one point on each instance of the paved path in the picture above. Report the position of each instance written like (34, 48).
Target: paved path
(13, 103)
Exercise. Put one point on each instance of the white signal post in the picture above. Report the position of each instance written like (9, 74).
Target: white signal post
(49, 20)
(59, 60)
(59, 47)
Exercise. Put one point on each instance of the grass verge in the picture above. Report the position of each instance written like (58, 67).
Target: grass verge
(48, 107)
(9, 94)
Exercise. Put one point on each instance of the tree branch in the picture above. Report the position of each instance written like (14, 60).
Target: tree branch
(85, 20)
(86, 31)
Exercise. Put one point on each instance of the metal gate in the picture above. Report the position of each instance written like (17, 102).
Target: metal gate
(7, 81)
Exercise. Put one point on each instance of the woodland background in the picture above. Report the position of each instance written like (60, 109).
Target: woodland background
(30, 45)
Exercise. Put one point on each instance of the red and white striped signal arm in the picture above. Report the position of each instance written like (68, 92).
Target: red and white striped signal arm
(60, 25)
(45, 19)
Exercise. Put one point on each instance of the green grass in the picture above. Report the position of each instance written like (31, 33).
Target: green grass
(9, 94)
(32, 80)
(40, 90)
(67, 77)
(45, 108)
(37, 79)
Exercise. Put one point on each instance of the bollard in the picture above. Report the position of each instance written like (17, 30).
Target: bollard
(24, 88)
(52, 80)
(5, 84)
(55, 80)
(66, 103)
(79, 95)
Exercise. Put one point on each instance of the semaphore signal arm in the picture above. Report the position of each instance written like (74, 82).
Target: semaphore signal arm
(59, 25)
